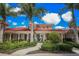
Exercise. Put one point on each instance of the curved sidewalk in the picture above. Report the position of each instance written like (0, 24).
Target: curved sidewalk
(23, 52)
(27, 50)
(2, 54)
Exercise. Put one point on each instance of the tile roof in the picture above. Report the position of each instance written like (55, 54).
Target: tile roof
(4, 23)
(17, 29)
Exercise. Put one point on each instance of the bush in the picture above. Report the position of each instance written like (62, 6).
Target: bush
(54, 37)
(8, 45)
(22, 44)
(65, 47)
(47, 46)
(32, 44)
(73, 44)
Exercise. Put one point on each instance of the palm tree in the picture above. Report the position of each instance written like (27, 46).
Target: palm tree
(30, 11)
(4, 11)
(72, 24)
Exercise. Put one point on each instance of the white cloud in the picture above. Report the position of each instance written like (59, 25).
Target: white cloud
(36, 22)
(22, 23)
(51, 18)
(17, 9)
(67, 16)
(59, 27)
(22, 15)
(22, 26)
(14, 23)
(9, 20)
(67, 27)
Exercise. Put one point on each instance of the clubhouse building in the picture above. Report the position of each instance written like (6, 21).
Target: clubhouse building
(40, 32)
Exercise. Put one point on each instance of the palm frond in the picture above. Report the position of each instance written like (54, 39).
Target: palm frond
(2, 9)
(39, 11)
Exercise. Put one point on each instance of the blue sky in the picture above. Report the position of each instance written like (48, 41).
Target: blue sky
(50, 7)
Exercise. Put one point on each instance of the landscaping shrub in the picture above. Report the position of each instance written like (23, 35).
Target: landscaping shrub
(8, 45)
(32, 44)
(54, 44)
(73, 44)
(65, 47)
(55, 47)
(22, 44)
(54, 37)
(47, 45)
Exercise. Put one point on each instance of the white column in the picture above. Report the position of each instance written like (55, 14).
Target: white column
(35, 37)
(18, 36)
(27, 37)
(22, 36)
(15, 36)
(44, 37)
(41, 37)
(10, 37)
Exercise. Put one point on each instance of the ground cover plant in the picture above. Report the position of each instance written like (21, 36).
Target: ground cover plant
(11, 46)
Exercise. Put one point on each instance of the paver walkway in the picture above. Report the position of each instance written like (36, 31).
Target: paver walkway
(27, 50)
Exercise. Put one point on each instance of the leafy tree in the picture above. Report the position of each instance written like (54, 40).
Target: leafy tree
(4, 11)
(72, 24)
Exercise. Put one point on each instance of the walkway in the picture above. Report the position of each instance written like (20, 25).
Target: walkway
(24, 52)
(27, 50)
(2, 54)
(75, 50)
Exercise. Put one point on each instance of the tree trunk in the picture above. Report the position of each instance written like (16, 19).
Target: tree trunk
(2, 27)
(1, 34)
(74, 25)
(76, 36)
(2, 13)
(32, 33)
